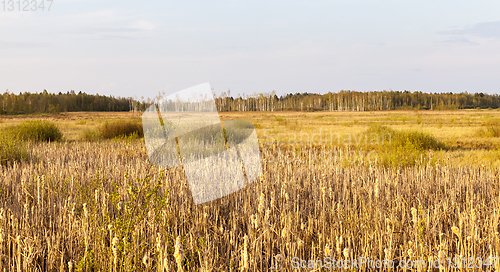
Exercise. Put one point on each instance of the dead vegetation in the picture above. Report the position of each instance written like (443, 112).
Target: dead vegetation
(100, 206)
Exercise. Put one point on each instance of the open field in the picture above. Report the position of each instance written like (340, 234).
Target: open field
(457, 129)
(100, 206)
(72, 124)
(454, 127)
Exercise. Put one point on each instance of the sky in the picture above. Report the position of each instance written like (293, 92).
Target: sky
(140, 49)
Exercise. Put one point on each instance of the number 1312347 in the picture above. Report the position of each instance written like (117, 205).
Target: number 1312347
(26, 5)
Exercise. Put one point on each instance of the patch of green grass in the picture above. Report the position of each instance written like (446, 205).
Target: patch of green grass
(420, 140)
(36, 131)
(12, 139)
(12, 150)
(128, 138)
(282, 121)
(89, 135)
(404, 148)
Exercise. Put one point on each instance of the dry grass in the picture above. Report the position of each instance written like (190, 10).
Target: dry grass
(72, 124)
(100, 206)
(456, 129)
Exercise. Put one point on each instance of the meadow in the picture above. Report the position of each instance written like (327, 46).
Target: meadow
(412, 187)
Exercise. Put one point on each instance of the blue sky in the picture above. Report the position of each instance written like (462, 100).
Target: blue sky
(132, 48)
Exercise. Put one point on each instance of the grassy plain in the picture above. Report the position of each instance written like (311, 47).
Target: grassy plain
(72, 124)
(100, 206)
(456, 128)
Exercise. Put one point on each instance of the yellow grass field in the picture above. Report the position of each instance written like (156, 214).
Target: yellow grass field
(101, 206)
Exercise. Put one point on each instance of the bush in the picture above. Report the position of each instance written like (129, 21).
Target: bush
(11, 150)
(36, 131)
(116, 129)
(110, 130)
(405, 148)
(419, 140)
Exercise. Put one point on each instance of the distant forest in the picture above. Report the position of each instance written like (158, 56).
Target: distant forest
(358, 101)
(62, 102)
(26, 103)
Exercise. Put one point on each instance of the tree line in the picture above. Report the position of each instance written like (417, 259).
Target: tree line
(26, 103)
(45, 102)
(357, 101)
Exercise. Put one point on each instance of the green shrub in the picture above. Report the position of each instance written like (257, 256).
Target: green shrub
(404, 148)
(11, 150)
(418, 140)
(36, 131)
(110, 130)
(115, 130)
